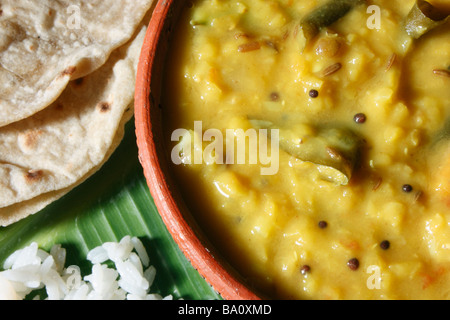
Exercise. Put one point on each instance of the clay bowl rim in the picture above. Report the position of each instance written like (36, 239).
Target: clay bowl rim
(217, 273)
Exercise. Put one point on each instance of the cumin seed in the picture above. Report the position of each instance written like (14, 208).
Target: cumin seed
(391, 62)
(249, 46)
(377, 184)
(328, 71)
(442, 72)
(418, 196)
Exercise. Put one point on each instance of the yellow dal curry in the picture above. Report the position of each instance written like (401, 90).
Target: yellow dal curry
(384, 233)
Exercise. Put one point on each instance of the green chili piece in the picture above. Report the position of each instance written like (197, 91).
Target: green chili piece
(444, 133)
(325, 16)
(422, 18)
(335, 151)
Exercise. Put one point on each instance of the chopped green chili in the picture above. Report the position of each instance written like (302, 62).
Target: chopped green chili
(444, 133)
(325, 16)
(422, 18)
(335, 151)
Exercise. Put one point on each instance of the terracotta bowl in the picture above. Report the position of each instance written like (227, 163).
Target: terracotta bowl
(148, 116)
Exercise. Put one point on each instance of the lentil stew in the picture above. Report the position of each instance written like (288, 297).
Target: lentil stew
(355, 79)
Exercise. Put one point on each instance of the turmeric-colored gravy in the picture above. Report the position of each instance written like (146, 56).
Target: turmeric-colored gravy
(359, 92)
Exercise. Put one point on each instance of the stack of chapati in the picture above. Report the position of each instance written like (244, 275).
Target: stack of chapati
(67, 77)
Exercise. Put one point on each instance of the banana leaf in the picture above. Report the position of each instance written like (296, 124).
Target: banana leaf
(113, 203)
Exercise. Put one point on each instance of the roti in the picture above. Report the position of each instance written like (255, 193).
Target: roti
(46, 155)
(21, 210)
(46, 44)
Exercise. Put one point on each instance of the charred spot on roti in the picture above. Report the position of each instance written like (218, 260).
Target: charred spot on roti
(9, 33)
(32, 47)
(69, 71)
(104, 107)
(30, 138)
(34, 175)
